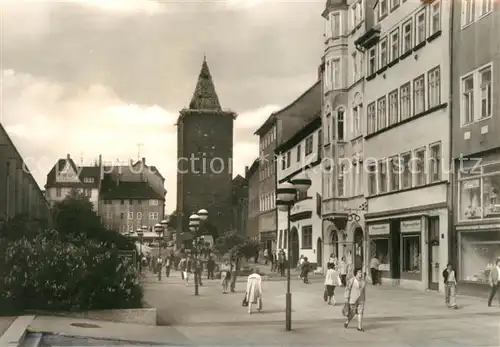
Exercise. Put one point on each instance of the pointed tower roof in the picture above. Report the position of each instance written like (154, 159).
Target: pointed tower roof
(205, 97)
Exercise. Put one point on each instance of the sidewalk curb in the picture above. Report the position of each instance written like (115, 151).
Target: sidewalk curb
(15, 334)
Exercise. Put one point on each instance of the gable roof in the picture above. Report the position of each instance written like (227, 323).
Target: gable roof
(205, 96)
(85, 171)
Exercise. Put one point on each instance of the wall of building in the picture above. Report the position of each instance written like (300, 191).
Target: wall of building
(253, 203)
(129, 215)
(470, 57)
(208, 136)
(309, 246)
(19, 190)
(55, 194)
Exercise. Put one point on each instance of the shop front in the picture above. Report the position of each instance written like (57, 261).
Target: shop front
(479, 249)
(407, 248)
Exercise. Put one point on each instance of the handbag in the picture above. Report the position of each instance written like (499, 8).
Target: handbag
(325, 295)
(244, 303)
(346, 310)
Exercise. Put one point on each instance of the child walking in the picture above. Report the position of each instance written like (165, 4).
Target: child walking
(331, 281)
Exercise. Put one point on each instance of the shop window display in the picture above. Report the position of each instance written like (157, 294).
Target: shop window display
(380, 248)
(411, 253)
(480, 193)
(478, 253)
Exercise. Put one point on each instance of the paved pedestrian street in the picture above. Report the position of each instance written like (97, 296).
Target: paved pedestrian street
(393, 316)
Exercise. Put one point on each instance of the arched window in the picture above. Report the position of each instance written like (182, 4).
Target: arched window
(340, 124)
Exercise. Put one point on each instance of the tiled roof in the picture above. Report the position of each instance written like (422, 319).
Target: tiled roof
(112, 189)
(205, 97)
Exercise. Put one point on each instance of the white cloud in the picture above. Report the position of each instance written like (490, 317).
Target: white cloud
(125, 6)
(47, 119)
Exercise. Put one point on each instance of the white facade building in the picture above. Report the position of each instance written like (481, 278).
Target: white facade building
(407, 140)
(344, 128)
(302, 153)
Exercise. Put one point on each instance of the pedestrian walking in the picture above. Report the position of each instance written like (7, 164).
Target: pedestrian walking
(266, 256)
(281, 263)
(210, 268)
(306, 267)
(253, 293)
(299, 265)
(355, 299)
(332, 280)
(374, 265)
(235, 264)
(168, 264)
(187, 269)
(343, 271)
(273, 260)
(182, 267)
(199, 271)
(450, 282)
(225, 276)
(494, 279)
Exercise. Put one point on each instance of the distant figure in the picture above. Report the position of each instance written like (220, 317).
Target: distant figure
(355, 299)
(253, 293)
(182, 266)
(494, 279)
(299, 265)
(343, 271)
(281, 263)
(210, 268)
(374, 265)
(331, 281)
(266, 256)
(306, 268)
(234, 271)
(450, 281)
(225, 276)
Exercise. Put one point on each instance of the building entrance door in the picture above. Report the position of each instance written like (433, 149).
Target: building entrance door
(433, 252)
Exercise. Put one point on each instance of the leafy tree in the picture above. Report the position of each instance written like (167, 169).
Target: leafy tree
(75, 218)
(237, 245)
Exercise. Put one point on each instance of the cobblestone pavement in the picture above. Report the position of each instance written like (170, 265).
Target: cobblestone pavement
(393, 316)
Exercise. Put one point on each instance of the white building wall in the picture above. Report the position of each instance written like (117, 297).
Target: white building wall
(53, 197)
(308, 204)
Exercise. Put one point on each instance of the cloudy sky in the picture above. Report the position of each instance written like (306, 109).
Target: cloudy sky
(91, 77)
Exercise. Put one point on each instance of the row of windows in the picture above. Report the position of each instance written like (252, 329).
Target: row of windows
(84, 191)
(473, 10)
(349, 181)
(402, 39)
(268, 138)
(267, 202)
(132, 215)
(267, 169)
(384, 6)
(306, 236)
(334, 26)
(476, 91)
(302, 153)
(129, 227)
(131, 202)
(401, 103)
(411, 169)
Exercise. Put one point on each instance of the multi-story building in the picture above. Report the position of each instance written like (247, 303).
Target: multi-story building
(279, 127)
(204, 157)
(252, 177)
(475, 139)
(132, 196)
(20, 194)
(66, 176)
(342, 117)
(240, 204)
(298, 155)
(407, 142)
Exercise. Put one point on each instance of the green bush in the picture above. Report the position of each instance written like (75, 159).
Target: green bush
(47, 272)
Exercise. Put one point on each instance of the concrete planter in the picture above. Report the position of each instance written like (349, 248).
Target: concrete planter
(145, 316)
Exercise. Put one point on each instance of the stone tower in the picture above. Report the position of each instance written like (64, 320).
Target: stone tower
(204, 158)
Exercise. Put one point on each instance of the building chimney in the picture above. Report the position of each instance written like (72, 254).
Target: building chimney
(246, 171)
(144, 161)
(101, 168)
(68, 156)
(131, 163)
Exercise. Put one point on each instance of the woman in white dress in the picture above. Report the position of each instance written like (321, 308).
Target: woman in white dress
(254, 291)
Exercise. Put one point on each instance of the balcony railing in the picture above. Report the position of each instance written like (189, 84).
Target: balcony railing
(334, 206)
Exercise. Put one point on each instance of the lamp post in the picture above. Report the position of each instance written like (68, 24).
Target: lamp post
(159, 230)
(140, 234)
(286, 195)
(194, 227)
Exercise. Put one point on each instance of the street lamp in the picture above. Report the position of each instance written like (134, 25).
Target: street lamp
(194, 227)
(159, 230)
(140, 234)
(286, 195)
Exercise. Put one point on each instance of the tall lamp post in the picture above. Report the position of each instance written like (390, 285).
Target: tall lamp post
(194, 227)
(286, 195)
(159, 231)
(140, 234)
